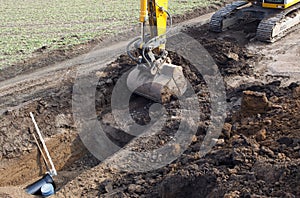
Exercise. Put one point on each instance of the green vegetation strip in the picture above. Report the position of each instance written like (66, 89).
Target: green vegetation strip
(28, 25)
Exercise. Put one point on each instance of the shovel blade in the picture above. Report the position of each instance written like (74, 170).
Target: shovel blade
(168, 81)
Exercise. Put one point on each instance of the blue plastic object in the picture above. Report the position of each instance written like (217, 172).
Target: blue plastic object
(36, 187)
(47, 190)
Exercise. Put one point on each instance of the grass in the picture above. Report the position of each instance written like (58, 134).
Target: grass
(27, 25)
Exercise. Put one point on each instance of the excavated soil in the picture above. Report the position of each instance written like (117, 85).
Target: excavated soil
(257, 154)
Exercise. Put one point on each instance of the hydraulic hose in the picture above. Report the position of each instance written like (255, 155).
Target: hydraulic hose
(128, 49)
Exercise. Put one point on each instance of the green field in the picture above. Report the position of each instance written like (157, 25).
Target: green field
(27, 25)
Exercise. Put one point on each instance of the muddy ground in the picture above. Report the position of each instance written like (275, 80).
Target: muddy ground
(257, 154)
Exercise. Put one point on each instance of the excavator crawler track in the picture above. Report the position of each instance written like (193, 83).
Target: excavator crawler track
(217, 21)
(274, 27)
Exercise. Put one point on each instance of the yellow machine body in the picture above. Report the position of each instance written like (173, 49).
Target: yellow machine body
(281, 4)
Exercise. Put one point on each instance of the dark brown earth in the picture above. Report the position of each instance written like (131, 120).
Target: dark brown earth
(257, 154)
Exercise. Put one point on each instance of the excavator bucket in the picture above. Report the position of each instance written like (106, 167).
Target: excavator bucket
(169, 80)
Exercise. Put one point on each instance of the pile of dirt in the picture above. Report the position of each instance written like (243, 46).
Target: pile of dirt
(252, 142)
(256, 155)
(229, 52)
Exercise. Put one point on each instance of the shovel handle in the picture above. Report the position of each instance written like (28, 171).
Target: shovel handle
(53, 170)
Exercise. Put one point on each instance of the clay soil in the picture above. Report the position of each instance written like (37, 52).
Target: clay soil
(257, 154)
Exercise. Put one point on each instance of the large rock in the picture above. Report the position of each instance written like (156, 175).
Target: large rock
(296, 92)
(254, 103)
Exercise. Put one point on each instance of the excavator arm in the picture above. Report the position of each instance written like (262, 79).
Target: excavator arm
(154, 11)
(154, 71)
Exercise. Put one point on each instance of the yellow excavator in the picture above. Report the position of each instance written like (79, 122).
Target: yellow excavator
(154, 74)
(276, 18)
(154, 71)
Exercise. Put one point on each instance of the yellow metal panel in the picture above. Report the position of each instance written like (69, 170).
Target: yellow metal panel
(143, 10)
(292, 3)
(161, 16)
(273, 5)
(282, 6)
